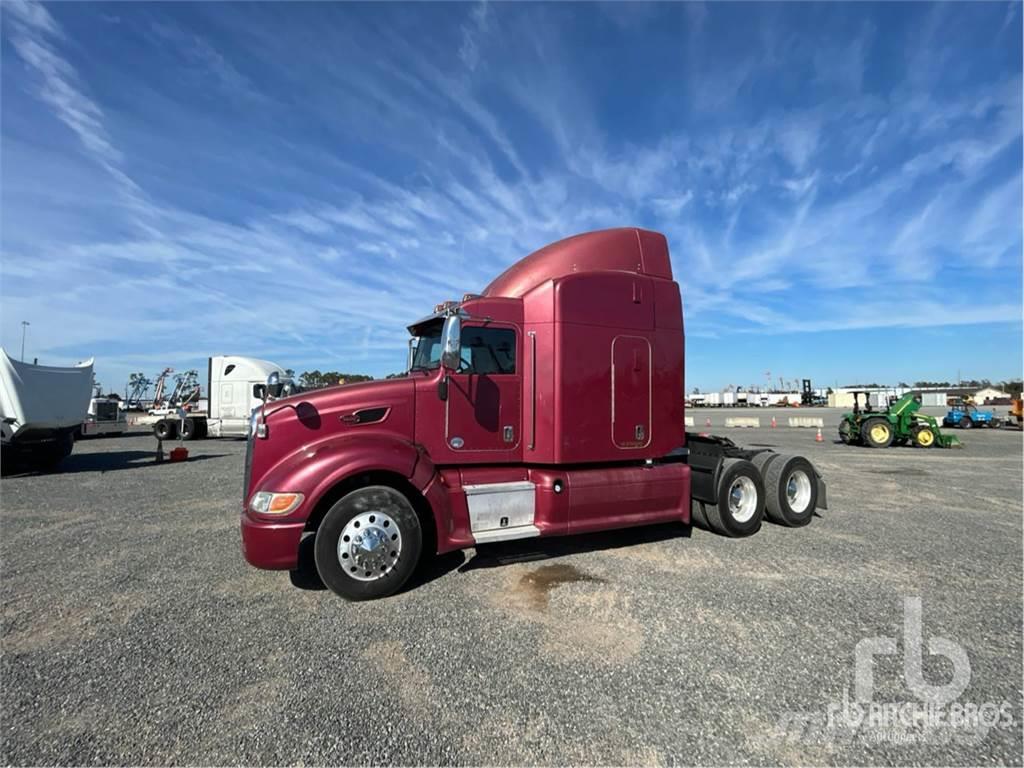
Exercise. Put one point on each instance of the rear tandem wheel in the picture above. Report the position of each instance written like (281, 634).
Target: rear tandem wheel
(877, 433)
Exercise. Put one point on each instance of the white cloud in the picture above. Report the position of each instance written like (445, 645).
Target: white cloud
(425, 174)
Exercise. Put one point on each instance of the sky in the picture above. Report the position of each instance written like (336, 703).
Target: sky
(840, 183)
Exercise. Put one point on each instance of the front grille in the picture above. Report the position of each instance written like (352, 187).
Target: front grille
(106, 411)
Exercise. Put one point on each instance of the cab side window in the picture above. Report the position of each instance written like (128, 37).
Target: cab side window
(488, 350)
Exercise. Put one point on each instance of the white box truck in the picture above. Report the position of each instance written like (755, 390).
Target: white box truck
(235, 388)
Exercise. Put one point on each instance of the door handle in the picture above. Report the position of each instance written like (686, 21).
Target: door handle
(509, 434)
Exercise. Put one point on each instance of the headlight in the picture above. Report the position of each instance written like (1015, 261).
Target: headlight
(266, 503)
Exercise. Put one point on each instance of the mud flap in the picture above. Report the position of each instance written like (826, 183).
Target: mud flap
(822, 495)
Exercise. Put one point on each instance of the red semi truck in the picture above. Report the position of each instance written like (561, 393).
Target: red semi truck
(549, 404)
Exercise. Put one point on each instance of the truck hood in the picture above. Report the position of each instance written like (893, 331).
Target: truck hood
(307, 417)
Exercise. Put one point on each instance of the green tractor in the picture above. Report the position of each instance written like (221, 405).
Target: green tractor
(898, 424)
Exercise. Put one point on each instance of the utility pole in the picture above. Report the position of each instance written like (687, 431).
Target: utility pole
(24, 325)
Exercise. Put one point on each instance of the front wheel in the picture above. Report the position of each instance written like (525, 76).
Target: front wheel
(966, 423)
(368, 543)
(924, 437)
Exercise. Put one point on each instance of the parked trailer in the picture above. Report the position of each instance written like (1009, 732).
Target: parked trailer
(236, 387)
(549, 404)
(41, 408)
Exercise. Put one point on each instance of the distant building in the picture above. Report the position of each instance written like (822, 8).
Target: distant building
(990, 393)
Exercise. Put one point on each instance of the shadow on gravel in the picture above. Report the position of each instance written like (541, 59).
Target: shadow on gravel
(120, 436)
(102, 462)
(528, 550)
(503, 553)
(306, 576)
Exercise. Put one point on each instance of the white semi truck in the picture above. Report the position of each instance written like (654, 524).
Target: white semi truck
(235, 387)
(41, 408)
(104, 417)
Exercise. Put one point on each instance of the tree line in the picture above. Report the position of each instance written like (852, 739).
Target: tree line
(317, 380)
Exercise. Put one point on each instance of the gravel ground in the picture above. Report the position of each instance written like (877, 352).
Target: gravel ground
(133, 632)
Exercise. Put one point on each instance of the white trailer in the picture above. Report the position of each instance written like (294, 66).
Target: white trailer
(235, 387)
(41, 408)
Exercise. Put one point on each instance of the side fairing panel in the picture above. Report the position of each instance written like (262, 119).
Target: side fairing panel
(618, 497)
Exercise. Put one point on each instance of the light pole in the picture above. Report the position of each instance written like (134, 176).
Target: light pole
(24, 325)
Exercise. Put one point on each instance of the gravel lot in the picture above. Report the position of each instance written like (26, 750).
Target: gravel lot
(133, 631)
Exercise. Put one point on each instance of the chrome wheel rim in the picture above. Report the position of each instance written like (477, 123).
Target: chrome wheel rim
(742, 499)
(798, 491)
(370, 546)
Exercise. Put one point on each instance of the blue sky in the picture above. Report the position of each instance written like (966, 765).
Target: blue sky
(840, 183)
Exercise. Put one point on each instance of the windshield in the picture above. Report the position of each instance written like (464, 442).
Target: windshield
(485, 351)
(428, 348)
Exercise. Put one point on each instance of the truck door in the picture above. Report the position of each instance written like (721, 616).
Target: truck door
(631, 392)
(482, 412)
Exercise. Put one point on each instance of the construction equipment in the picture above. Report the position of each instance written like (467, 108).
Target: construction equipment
(966, 416)
(808, 397)
(186, 389)
(135, 391)
(898, 424)
(1015, 416)
(161, 382)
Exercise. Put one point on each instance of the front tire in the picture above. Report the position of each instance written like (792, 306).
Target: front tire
(368, 544)
(924, 437)
(966, 423)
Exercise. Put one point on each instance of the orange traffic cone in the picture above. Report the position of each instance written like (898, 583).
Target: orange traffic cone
(773, 422)
(818, 438)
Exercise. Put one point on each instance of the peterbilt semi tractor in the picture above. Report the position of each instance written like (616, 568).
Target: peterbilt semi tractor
(235, 387)
(549, 404)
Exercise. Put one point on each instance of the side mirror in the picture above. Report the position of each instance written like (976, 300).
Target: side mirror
(451, 343)
(274, 385)
(413, 344)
